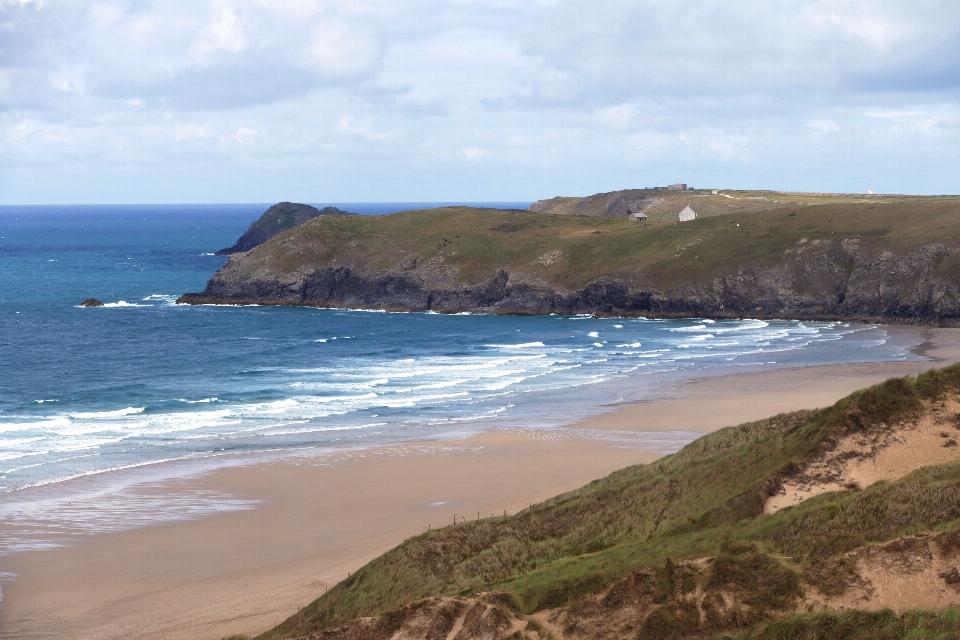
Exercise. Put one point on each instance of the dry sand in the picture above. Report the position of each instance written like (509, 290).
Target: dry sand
(324, 516)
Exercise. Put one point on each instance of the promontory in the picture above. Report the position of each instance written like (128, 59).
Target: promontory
(890, 259)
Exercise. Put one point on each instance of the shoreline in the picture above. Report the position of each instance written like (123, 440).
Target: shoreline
(320, 516)
(917, 322)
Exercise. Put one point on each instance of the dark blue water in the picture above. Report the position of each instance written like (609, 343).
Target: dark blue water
(144, 380)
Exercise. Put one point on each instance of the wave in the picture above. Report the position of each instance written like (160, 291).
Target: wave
(119, 413)
(202, 401)
(522, 345)
(122, 304)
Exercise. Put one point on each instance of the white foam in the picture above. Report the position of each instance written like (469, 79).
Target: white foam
(593, 334)
(522, 345)
(124, 304)
(202, 401)
(119, 413)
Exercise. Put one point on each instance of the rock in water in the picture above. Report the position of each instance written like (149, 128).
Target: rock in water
(91, 302)
(279, 217)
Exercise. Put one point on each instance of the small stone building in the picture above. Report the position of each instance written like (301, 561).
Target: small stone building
(687, 214)
(638, 216)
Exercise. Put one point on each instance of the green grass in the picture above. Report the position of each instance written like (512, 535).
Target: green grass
(663, 254)
(705, 500)
(862, 625)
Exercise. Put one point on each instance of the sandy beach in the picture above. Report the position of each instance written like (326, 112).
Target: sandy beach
(322, 516)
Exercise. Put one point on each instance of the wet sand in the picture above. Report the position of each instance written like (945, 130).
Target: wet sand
(322, 516)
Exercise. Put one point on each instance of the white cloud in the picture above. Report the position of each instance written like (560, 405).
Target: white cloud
(574, 96)
(349, 125)
(191, 132)
(617, 115)
(224, 33)
(824, 125)
(473, 153)
(862, 20)
(342, 50)
(245, 134)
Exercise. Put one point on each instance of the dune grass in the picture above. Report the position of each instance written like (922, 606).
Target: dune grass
(705, 500)
(862, 625)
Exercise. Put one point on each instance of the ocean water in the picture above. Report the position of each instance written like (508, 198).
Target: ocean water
(142, 380)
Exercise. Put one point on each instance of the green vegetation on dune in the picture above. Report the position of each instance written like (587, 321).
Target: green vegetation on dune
(862, 625)
(632, 528)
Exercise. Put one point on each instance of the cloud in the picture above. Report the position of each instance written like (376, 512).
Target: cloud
(224, 33)
(892, 114)
(341, 50)
(473, 153)
(245, 134)
(573, 96)
(351, 126)
(191, 132)
(824, 125)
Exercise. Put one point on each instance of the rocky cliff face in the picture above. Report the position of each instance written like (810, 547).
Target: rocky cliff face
(849, 278)
(279, 217)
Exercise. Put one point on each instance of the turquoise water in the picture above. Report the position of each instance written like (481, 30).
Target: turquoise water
(143, 380)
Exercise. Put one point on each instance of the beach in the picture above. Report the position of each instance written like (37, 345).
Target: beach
(318, 517)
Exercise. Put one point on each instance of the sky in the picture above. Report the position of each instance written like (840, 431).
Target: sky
(167, 101)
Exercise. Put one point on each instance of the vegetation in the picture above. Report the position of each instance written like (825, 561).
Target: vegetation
(637, 535)
(862, 625)
(572, 251)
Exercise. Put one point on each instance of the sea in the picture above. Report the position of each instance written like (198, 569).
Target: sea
(100, 406)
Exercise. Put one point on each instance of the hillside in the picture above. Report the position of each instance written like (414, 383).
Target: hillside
(701, 543)
(663, 206)
(891, 261)
(279, 217)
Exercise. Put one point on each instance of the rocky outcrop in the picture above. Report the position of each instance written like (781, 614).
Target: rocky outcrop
(279, 217)
(831, 279)
(91, 302)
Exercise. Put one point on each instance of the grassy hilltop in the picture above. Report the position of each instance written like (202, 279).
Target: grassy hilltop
(849, 257)
(701, 543)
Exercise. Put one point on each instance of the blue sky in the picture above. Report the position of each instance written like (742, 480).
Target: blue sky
(338, 101)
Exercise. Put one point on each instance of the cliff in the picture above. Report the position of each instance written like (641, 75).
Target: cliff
(279, 217)
(870, 261)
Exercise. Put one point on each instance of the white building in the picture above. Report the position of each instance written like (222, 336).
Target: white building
(687, 214)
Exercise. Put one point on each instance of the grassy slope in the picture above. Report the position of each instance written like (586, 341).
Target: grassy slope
(692, 504)
(660, 254)
(663, 206)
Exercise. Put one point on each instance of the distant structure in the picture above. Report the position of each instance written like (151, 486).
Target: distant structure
(869, 192)
(687, 214)
(639, 216)
(677, 186)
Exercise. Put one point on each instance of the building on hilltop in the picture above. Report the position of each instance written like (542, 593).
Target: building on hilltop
(687, 214)
(677, 186)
